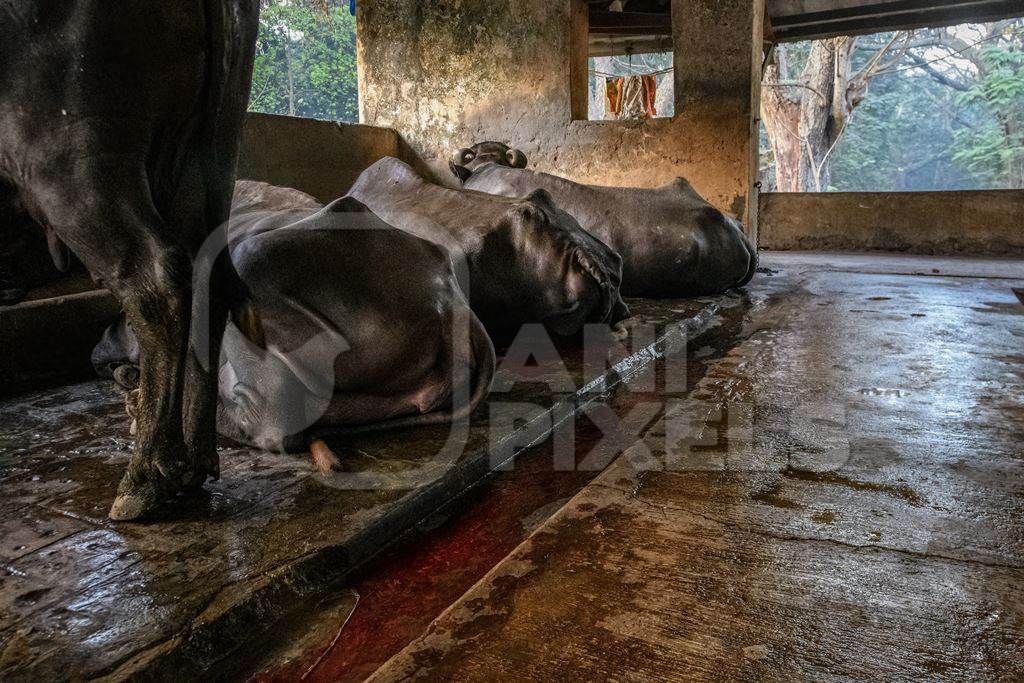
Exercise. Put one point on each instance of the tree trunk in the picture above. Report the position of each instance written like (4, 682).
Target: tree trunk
(781, 116)
(291, 75)
(806, 117)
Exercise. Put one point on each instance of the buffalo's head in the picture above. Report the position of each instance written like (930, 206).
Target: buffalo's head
(465, 162)
(568, 278)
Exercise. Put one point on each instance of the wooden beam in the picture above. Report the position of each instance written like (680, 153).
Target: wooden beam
(609, 46)
(631, 23)
(889, 16)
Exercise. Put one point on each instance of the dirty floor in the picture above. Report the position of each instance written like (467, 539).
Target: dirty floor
(834, 491)
(165, 599)
(838, 496)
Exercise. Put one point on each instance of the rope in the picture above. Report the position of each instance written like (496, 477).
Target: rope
(652, 73)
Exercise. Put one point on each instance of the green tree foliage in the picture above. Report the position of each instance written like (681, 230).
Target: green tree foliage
(306, 61)
(900, 138)
(948, 115)
(993, 151)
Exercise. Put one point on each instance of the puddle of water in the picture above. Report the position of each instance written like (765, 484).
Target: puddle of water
(772, 496)
(899, 491)
(883, 391)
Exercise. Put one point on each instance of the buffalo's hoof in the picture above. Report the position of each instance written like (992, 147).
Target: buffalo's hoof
(194, 480)
(135, 503)
(193, 483)
(127, 377)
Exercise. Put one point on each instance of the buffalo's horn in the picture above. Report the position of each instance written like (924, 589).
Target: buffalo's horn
(516, 159)
(463, 156)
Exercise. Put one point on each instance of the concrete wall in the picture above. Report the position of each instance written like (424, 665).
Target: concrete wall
(985, 222)
(49, 341)
(450, 73)
(322, 158)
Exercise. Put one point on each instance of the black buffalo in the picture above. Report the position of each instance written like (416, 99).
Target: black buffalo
(365, 326)
(119, 127)
(526, 260)
(672, 241)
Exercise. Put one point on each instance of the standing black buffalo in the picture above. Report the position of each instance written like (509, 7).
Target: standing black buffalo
(673, 243)
(119, 127)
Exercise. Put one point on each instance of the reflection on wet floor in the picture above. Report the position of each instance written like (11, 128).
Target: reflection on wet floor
(843, 500)
(835, 490)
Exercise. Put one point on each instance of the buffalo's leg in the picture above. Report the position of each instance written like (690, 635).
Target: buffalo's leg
(121, 238)
(201, 374)
(157, 302)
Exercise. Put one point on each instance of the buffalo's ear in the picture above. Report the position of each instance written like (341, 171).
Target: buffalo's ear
(516, 159)
(542, 197)
(459, 171)
(346, 205)
(464, 156)
(59, 251)
(585, 264)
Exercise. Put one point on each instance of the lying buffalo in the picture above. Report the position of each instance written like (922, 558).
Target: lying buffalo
(673, 243)
(527, 261)
(119, 127)
(365, 326)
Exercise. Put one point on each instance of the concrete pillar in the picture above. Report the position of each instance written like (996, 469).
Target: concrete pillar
(718, 55)
(448, 74)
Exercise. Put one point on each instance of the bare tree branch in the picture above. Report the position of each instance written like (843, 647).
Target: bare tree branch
(796, 84)
(936, 75)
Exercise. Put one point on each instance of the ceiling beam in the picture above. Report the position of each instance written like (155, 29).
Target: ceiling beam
(861, 18)
(630, 23)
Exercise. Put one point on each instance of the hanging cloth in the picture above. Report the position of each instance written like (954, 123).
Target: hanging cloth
(631, 98)
(650, 95)
(613, 96)
(633, 108)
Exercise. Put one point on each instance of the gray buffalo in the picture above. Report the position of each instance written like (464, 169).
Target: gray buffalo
(673, 243)
(365, 326)
(526, 260)
(119, 127)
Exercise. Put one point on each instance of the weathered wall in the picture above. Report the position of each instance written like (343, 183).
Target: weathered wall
(450, 73)
(322, 158)
(987, 222)
(49, 341)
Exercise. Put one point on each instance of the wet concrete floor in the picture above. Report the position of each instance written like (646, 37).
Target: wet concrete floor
(837, 496)
(197, 588)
